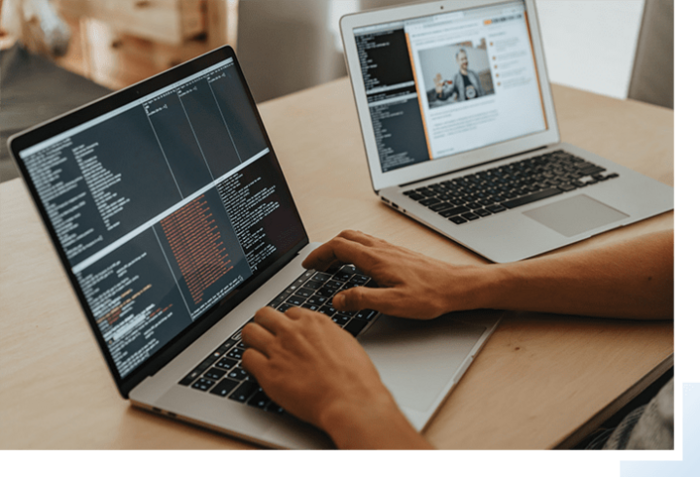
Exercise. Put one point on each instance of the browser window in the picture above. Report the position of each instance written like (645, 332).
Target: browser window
(450, 83)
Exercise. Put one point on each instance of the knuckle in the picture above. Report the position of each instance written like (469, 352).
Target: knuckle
(353, 296)
(245, 357)
(294, 311)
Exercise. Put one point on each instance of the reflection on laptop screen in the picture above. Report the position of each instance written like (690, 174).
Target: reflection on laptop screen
(450, 83)
(163, 207)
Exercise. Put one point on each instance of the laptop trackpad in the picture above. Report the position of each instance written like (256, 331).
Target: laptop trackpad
(575, 215)
(417, 359)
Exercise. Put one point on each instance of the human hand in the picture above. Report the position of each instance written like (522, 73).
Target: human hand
(438, 83)
(318, 372)
(411, 284)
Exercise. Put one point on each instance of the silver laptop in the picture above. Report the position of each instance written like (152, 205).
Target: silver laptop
(461, 135)
(171, 216)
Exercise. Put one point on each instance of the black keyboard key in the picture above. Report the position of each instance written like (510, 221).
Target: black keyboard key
(313, 285)
(440, 206)
(228, 344)
(235, 353)
(495, 208)
(244, 391)
(284, 307)
(327, 310)
(340, 319)
(316, 300)
(321, 277)
(348, 314)
(590, 170)
(454, 211)
(227, 363)
(294, 301)
(416, 196)
(238, 374)
(470, 216)
(482, 212)
(214, 374)
(274, 408)
(333, 284)
(349, 268)
(543, 194)
(311, 307)
(355, 326)
(191, 376)
(276, 302)
(304, 293)
(429, 202)
(203, 384)
(224, 387)
(326, 292)
(342, 276)
(366, 314)
(458, 220)
(259, 399)
(566, 187)
(299, 282)
(359, 279)
(612, 176)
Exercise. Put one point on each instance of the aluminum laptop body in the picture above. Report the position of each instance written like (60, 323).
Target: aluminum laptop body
(426, 118)
(173, 221)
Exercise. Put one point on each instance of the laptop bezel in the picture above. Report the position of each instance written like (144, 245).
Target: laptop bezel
(445, 165)
(101, 106)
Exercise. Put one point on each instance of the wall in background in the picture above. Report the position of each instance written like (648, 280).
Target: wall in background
(590, 44)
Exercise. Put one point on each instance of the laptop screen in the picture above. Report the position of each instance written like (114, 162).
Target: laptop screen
(164, 206)
(446, 84)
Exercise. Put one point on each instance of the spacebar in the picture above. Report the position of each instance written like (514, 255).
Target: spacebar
(543, 194)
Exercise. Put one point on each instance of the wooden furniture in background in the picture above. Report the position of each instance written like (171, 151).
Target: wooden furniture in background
(119, 42)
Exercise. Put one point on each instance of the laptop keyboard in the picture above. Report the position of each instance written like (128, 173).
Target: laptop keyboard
(221, 373)
(473, 196)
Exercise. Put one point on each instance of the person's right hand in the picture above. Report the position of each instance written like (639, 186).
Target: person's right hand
(411, 285)
(438, 83)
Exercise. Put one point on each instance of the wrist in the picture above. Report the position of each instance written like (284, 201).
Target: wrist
(378, 424)
(340, 416)
(477, 287)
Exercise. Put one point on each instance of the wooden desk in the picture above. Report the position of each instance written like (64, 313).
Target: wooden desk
(541, 381)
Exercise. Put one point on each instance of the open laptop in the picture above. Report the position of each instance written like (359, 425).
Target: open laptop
(461, 135)
(172, 218)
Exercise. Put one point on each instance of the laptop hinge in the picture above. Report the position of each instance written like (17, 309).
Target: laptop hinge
(475, 165)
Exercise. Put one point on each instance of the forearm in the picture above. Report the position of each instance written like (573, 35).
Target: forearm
(631, 279)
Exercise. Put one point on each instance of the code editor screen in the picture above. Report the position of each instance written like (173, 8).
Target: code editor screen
(163, 207)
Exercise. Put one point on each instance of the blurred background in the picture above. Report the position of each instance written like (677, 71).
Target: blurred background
(58, 54)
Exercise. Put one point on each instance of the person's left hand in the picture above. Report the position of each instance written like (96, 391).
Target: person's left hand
(309, 365)
(318, 372)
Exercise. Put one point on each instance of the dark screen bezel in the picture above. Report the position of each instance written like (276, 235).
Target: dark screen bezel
(102, 106)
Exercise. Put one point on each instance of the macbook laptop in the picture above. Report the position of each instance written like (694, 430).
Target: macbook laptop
(461, 135)
(173, 220)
